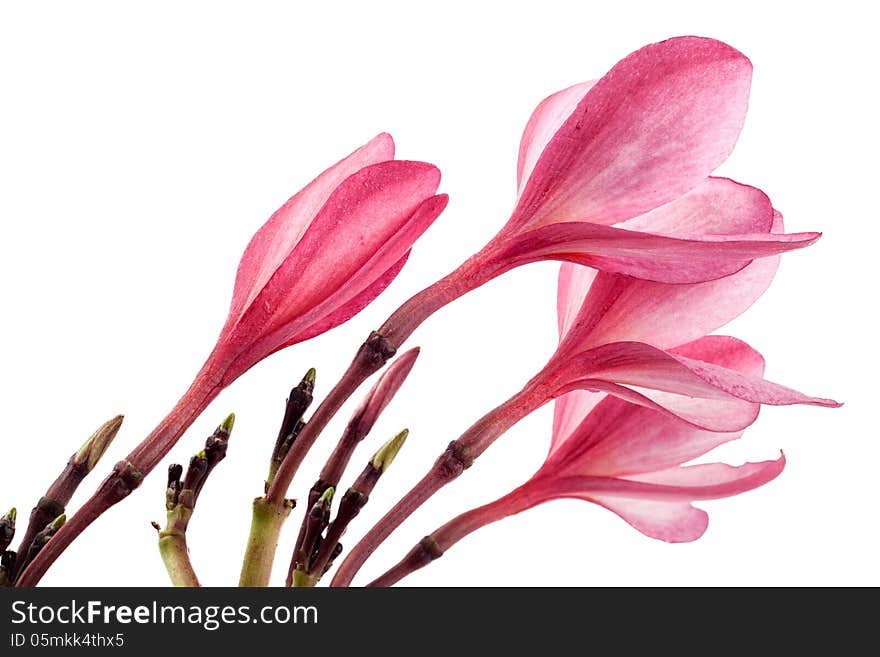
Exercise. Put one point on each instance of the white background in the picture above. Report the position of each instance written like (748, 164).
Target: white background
(142, 145)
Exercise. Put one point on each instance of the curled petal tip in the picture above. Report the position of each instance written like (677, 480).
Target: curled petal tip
(11, 515)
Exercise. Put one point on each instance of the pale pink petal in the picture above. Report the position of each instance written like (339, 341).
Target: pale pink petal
(569, 411)
(661, 509)
(717, 206)
(673, 522)
(714, 411)
(272, 243)
(573, 285)
(649, 131)
(619, 439)
(707, 395)
(610, 436)
(724, 351)
(642, 255)
(708, 481)
(658, 504)
(547, 118)
(612, 307)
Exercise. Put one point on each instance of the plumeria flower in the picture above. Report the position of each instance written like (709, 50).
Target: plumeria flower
(624, 457)
(641, 341)
(611, 174)
(637, 345)
(319, 260)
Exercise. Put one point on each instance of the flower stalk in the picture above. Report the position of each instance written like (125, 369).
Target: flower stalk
(267, 519)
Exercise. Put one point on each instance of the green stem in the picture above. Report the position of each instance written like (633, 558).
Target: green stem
(173, 548)
(266, 523)
(303, 579)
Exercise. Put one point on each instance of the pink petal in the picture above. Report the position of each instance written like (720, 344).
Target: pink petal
(280, 316)
(371, 275)
(271, 244)
(658, 505)
(717, 206)
(705, 394)
(718, 413)
(569, 411)
(358, 227)
(651, 129)
(547, 118)
(673, 522)
(573, 285)
(620, 308)
(643, 255)
(619, 439)
(351, 308)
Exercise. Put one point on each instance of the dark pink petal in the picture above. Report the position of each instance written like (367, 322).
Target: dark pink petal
(651, 129)
(353, 294)
(707, 395)
(643, 255)
(351, 308)
(272, 243)
(365, 211)
(359, 234)
(547, 118)
(372, 269)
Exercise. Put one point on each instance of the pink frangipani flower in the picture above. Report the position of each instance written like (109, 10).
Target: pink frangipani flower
(640, 346)
(623, 457)
(612, 173)
(642, 341)
(319, 260)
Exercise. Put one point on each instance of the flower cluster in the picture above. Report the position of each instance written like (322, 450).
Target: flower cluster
(615, 181)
